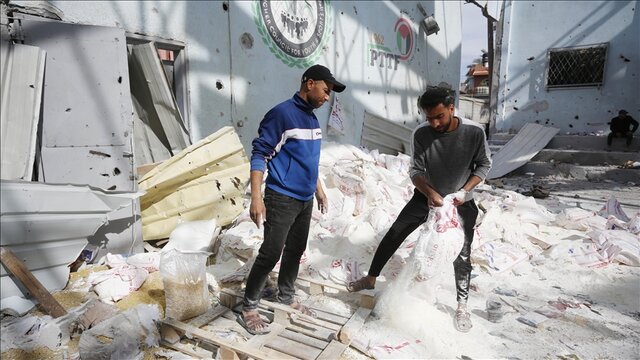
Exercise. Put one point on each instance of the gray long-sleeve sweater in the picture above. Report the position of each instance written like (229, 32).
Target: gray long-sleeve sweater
(447, 160)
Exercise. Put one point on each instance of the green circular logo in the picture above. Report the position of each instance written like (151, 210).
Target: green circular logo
(294, 31)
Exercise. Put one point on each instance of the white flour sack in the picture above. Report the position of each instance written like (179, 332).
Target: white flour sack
(440, 241)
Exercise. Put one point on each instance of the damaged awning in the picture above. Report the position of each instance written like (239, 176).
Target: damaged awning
(205, 181)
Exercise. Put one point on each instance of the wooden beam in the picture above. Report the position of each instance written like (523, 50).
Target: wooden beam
(211, 338)
(367, 299)
(293, 348)
(289, 310)
(209, 316)
(18, 269)
(301, 338)
(195, 351)
(333, 351)
(353, 325)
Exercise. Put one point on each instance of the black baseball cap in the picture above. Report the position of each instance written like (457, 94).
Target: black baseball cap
(624, 112)
(319, 72)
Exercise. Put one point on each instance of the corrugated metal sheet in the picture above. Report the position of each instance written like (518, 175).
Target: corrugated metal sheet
(22, 68)
(47, 225)
(385, 135)
(522, 148)
(205, 181)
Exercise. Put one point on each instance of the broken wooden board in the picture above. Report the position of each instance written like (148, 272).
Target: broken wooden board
(18, 269)
(316, 287)
(292, 335)
(354, 325)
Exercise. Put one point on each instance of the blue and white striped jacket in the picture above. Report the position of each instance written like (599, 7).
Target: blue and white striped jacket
(288, 145)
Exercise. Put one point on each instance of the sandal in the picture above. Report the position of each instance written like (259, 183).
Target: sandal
(463, 320)
(253, 323)
(360, 284)
(305, 310)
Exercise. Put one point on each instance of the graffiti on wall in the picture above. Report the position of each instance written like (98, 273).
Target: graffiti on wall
(294, 31)
(401, 48)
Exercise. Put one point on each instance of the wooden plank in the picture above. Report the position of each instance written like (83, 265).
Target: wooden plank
(227, 322)
(191, 350)
(289, 310)
(215, 340)
(259, 341)
(209, 316)
(169, 334)
(293, 348)
(307, 340)
(333, 351)
(353, 325)
(333, 318)
(315, 332)
(226, 354)
(367, 299)
(228, 300)
(18, 269)
(316, 289)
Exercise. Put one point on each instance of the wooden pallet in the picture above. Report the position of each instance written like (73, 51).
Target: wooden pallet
(292, 335)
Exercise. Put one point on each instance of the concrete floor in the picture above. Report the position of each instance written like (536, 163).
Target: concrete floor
(568, 191)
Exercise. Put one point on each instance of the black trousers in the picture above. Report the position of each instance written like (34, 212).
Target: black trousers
(285, 232)
(612, 135)
(413, 215)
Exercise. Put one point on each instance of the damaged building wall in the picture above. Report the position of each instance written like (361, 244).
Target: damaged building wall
(532, 28)
(237, 71)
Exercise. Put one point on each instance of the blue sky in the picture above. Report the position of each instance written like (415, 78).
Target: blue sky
(474, 32)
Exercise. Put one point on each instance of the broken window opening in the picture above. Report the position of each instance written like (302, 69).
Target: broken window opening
(157, 73)
(580, 66)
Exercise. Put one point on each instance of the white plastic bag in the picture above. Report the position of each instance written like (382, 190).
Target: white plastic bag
(185, 283)
(193, 236)
(440, 242)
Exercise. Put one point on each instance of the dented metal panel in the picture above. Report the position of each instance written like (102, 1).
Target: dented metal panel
(385, 135)
(159, 103)
(47, 225)
(522, 148)
(86, 105)
(87, 125)
(22, 76)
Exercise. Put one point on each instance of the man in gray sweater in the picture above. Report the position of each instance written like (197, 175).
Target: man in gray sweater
(450, 155)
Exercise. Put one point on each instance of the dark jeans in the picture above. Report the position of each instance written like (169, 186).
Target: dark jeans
(629, 137)
(285, 232)
(413, 215)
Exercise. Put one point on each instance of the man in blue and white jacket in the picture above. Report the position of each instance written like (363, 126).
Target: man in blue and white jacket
(288, 146)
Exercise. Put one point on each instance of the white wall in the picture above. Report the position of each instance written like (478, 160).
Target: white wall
(532, 27)
(253, 79)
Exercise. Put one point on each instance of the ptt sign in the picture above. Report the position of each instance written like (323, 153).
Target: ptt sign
(383, 56)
